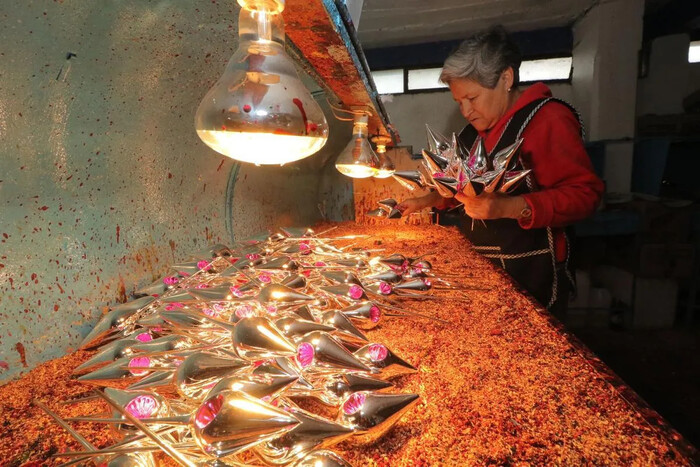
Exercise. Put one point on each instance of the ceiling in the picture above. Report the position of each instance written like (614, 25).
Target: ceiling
(387, 23)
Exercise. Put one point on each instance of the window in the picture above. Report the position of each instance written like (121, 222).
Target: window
(389, 81)
(694, 52)
(423, 79)
(426, 78)
(549, 69)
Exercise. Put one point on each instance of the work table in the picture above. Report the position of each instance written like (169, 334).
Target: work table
(502, 384)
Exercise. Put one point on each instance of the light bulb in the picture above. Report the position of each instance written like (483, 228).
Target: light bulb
(259, 111)
(386, 166)
(358, 160)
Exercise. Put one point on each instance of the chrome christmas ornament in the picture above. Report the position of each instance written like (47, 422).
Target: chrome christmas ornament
(114, 320)
(434, 162)
(342, 325)
(232, 421)
(371, 415)
(322, 459)
(383, 361)
(199, 372)
(333, 390)
(312, 432)
(284, 367)
(236, 328)
(365, 315)
(437, 143)
(258, 339)
(297, 327)
(155, 289)
(320, 352)
(388, 202)
(265, 387)
(410, 179)
(352, 292)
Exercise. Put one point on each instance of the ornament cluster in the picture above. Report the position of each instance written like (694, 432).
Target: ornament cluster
(450, 168)
(208, 364)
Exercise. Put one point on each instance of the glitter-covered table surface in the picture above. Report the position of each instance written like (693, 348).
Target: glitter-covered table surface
(503, 384)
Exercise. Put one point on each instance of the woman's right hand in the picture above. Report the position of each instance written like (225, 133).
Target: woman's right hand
(410, 205)
(416, 204)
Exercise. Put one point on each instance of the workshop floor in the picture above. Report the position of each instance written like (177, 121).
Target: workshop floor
(662, 366)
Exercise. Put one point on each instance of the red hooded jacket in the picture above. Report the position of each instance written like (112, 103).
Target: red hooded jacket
(568, 190)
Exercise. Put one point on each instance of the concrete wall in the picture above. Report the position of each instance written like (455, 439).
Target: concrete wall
(103, 180)
(607, 41)
(669, 79)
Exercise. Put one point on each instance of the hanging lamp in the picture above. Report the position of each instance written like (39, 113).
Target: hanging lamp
(358, 160)
(259, 111)
(386, 166)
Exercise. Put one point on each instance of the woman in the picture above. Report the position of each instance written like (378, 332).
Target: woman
(524, 232)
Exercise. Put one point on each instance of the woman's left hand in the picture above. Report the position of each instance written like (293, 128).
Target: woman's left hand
(492, 205)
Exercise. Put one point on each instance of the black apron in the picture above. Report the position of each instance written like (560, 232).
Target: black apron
(527, 255)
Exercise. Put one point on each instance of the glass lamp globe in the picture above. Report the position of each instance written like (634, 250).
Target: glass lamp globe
(259, 111)
(386, 166)
(358, 160)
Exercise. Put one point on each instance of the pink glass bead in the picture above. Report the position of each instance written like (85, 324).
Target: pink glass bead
(384, 288)
(208, 411)
(319, 264)
(210, 313)
(355, 292)
(305, 354)
(142, 406)
(306, 272)
(438, 174)
(236, 292)
(170, 280)
(204, 265)
(354, 403)
(265, 278)
(203, 285)
(375, 314)
(272, 309)
(304, 248)
(252, 256)
(139, 362)
(244, 311)
(378, 352)
(427, 282)
(174, 306)
(144, 337)
(211, 385)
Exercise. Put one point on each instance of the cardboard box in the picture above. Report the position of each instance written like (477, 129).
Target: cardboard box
(619, 282)
(655, 303)
(662, 260)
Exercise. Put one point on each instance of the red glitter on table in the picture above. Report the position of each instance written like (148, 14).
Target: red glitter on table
(503, 384)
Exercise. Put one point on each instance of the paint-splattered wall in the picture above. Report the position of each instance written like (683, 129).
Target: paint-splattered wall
(103, 181)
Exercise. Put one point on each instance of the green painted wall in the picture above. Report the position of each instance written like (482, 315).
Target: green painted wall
(103, 180)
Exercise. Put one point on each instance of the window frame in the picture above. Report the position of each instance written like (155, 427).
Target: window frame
(406, 70)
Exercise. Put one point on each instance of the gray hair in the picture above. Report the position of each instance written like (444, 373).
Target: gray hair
(482, 58)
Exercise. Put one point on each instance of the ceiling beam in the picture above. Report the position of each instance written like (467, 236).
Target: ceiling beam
(322, 31)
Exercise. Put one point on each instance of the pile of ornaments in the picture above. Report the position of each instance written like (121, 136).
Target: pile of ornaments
(450, 168)
(206, 363)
